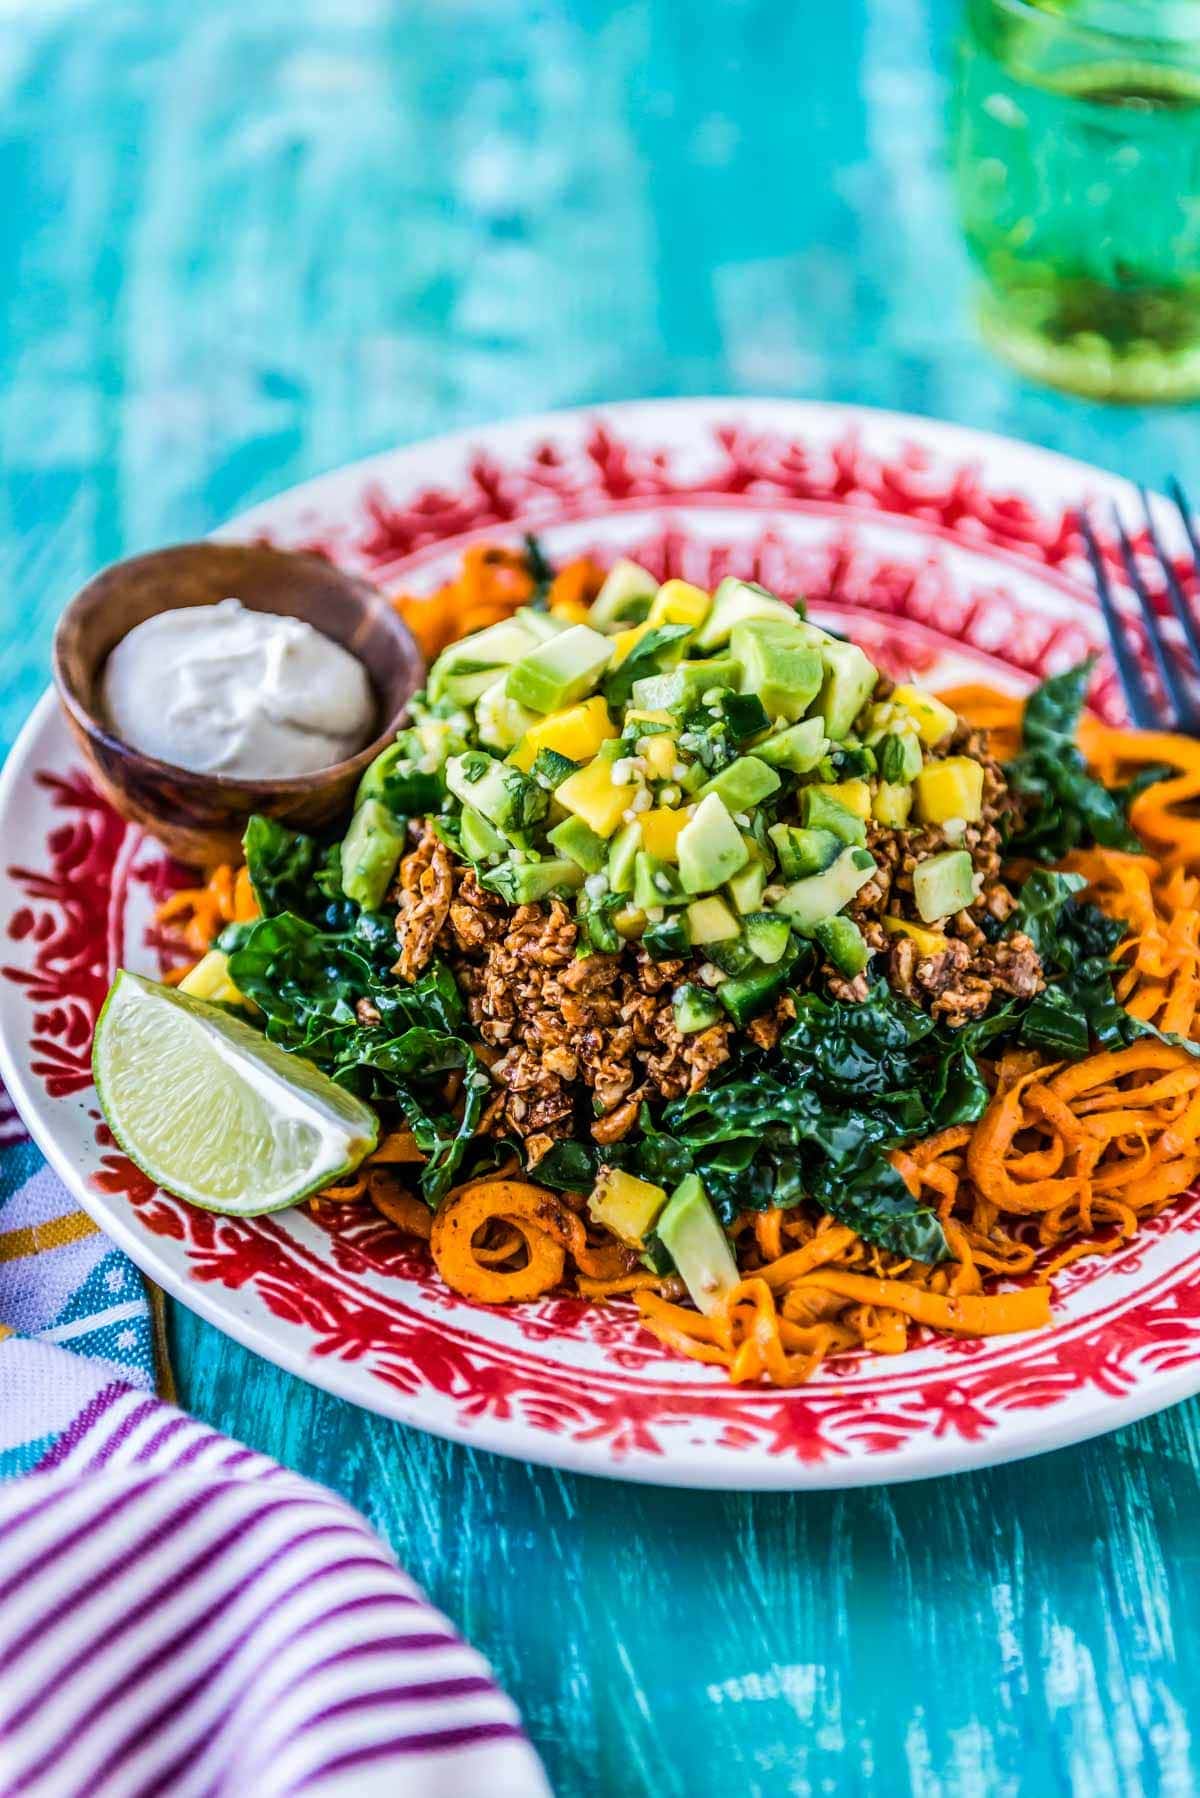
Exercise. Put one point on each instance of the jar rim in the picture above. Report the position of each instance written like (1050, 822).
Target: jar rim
(1113, 23)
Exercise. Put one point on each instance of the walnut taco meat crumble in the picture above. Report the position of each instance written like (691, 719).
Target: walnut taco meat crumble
(686, 956)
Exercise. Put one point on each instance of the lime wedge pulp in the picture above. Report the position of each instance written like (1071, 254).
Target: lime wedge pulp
(212, 1111)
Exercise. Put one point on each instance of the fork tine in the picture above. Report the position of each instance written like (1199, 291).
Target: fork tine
(1183, 610)
(1163, 660)
(1137, 694)
(1175, 489)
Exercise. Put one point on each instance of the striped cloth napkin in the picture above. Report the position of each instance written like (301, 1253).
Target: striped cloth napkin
(180, 1616)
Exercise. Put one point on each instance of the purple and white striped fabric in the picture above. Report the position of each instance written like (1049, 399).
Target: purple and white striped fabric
(180, 1616)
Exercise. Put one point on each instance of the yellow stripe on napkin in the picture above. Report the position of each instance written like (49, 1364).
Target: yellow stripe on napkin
(34, 1238)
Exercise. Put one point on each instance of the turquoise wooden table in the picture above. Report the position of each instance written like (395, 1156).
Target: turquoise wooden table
(241, 244)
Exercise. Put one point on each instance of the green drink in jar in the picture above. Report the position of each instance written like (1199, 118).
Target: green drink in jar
(1077, 157)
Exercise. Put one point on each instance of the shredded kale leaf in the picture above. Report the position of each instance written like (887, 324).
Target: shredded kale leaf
(1065, 808)
(288, 870)
(541, 569)
(1078, 1009)
(307, 964)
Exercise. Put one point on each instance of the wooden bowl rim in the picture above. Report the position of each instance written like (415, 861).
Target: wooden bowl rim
(247, 786)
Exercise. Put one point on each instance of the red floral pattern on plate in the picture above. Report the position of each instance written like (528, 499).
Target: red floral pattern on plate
(563, 1372)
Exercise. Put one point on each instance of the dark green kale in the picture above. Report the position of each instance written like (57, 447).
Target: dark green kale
(1064, 807)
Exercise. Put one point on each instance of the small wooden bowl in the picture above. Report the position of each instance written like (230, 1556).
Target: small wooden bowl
(200, 817)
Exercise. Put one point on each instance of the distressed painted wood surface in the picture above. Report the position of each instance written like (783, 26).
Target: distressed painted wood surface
(240, 244)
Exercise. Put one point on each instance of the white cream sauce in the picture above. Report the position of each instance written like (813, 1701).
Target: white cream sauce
(224, 690)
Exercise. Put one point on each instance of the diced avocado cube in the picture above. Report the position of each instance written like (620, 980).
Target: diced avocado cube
(540, 625)
(560, 671)
(579, 732)
(891, 804)
(694, 777)
(625, 586)
(798, 748)
(370, 851)
(499, 720)
(950, 789)
(746, 888)
(743, 784)
(778, 665)
(479, 838)
(711, 921)
(371, 786)
(747, 996)
(510, 799)
(710, 848)
(592, 795)
(933, 719)
(943, 884)
(654, 883)
(849, 682)
(622, 856)
(733, 603)
(768, 935)
(678, 602)
(842, 942)
(899, 755)
(550, 769)
(821, 810)
(802, 852)
(668, 940)
(625, 1205)
(808, 902)
(524, 883)
(695, 1009)
(576, 840)
(683, 686)
(467, 668)
(689, 1230)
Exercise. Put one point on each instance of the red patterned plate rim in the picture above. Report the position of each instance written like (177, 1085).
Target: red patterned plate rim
(929, 540)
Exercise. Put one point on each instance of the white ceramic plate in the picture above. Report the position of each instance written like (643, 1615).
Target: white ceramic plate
(943, 551)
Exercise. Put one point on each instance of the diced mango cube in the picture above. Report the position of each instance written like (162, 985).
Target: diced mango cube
(209, 979)
(952, 788)
(633, 716)
(932, 719)
(591, 795)
(659, 754)
(627, 1206)
(929, 942)
(892, 803)
(572, 610)
(855, 795)
(660, 832)
(678, 602)
(577, 731)
(624, 641)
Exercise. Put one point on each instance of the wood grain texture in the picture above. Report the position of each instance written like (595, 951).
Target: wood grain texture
(243, 244)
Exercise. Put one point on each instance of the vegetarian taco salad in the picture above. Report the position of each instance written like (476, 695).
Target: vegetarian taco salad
(675, 956)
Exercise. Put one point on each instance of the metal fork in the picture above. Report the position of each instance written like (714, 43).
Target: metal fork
(1146, 706)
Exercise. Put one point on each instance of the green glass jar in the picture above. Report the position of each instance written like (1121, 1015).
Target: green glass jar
(1076, 139)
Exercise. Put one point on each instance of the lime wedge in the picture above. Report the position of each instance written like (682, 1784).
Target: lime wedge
(214, 1112)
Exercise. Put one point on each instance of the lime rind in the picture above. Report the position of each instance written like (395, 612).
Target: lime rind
(210, 1110)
